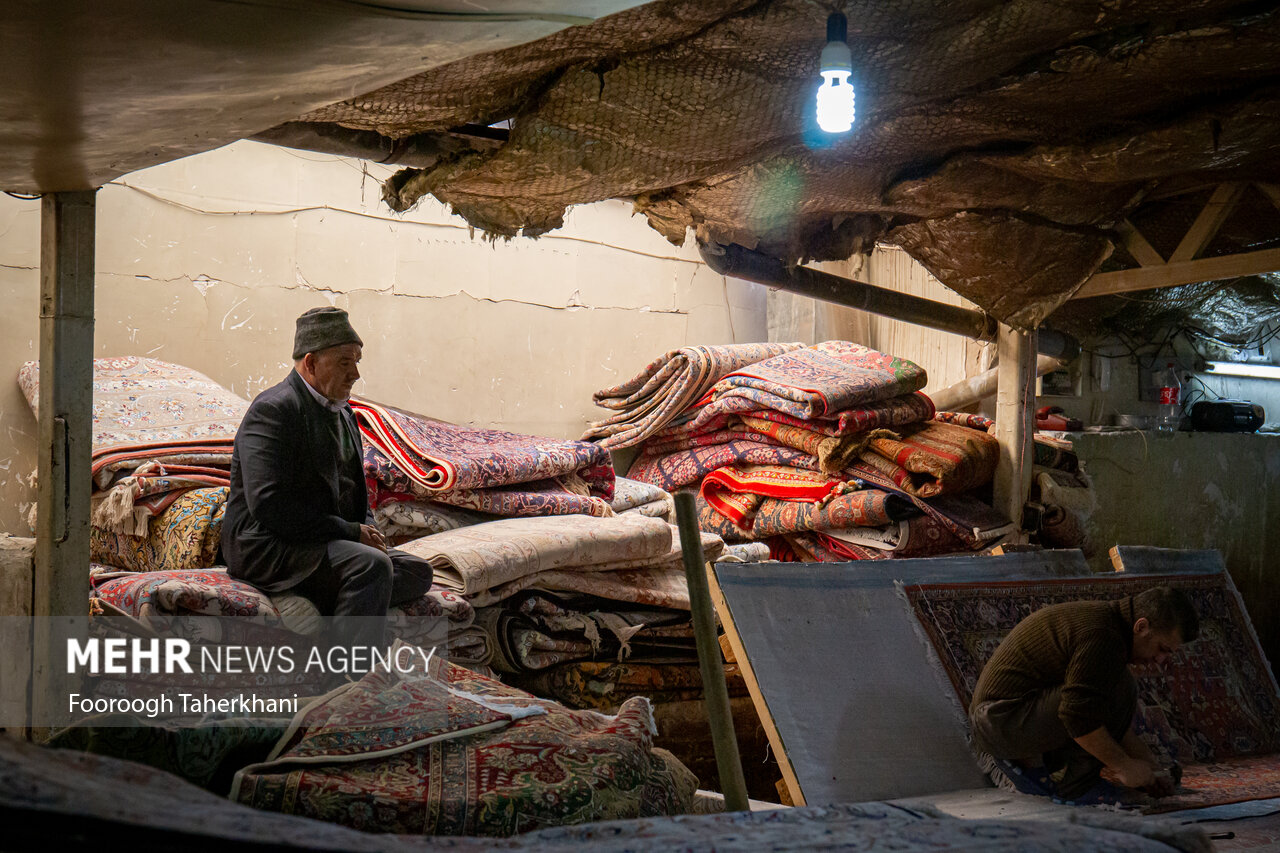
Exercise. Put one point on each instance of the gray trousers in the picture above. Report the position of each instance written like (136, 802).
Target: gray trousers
(355, 584)
(1030, 728)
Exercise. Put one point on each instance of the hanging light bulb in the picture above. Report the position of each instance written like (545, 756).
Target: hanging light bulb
(835, 95)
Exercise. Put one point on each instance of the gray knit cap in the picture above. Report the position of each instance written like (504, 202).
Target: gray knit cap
(321, 328)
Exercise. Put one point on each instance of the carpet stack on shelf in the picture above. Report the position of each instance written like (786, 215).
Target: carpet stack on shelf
(160, 461)
(825, 453)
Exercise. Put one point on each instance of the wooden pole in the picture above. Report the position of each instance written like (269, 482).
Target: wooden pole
(1015, 419)
(969, 391)
(716, 692)
(61, 586)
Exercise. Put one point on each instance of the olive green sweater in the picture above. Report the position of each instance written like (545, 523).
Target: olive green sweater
(1082, 645)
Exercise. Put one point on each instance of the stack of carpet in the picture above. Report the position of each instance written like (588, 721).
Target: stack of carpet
(552, 590)
(428, 475)
(825, 453)
(162, 437)
(592, 612)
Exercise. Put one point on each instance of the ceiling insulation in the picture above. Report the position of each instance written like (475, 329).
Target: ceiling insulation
(999, 143)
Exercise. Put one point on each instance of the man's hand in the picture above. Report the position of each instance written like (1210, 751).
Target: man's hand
(1134, 773)
(1164, 784)
(370, 536)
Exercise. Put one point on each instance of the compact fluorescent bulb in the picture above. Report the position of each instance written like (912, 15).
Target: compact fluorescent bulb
(835, 95)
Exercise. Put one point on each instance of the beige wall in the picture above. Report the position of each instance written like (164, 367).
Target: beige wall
(207, 261)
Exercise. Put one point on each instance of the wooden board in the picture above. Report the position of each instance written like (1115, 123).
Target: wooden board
(841, 678)
(1141, 559)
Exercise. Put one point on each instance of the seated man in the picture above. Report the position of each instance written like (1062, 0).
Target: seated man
(1058, 691)
(298, 517)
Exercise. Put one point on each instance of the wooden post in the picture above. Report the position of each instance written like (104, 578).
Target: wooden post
(714, 688)
(61, 585)
(1015, 419)
(966, 392)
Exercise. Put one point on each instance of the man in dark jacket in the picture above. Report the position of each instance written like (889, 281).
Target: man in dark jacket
(298, 517)
(1058, 700)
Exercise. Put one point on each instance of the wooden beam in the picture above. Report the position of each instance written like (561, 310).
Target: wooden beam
(1271, 191)
(715, 690)
(1142, 251)
(789, 778)
(1015, 424)
(966, 392)
(1187, 272)
(1210, 219)
(61, 586)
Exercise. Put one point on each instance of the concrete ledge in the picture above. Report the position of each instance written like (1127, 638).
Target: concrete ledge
(17, 568)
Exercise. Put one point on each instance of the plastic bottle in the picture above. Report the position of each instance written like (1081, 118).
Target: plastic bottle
(1170, 416)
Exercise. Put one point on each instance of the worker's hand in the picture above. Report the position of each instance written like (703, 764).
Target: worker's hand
(1134, 773)
(370, 536)
(1163, 785)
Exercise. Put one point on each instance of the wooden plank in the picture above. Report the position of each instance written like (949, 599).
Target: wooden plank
(1141, 250)
(1145, 560)
(1271, 191)
(1015, 397)
(715, 690)
(753, 689)
(61, 584)
(1186, 272)
(1208, 221)
(838, 670)
(969, 391)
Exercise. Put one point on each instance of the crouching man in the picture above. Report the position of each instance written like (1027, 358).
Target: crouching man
(1057, 698)
(298, 517)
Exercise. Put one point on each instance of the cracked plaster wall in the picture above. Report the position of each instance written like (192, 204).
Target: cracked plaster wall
(208, 260)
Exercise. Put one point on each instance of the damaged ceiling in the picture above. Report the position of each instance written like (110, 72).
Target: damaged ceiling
(1007, 146)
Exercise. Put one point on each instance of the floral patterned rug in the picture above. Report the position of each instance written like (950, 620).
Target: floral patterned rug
(1214, 706)
(455, 753)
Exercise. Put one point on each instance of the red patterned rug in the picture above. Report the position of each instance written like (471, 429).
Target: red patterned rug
(1214, 706)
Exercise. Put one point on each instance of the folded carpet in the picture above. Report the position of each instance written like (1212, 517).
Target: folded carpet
(681, 468)
(184, 535)
(643, 498)
(401, 521)
(667, 386)
(144, 408)
(736, 491)
(482, 556)
(157, 431)
(536, 630)
(823, 379)
(861, 508)
(933, 458)
(441, 457)
(1048, 451)
(603, 685)
(713, 414)
(660, 584)
(387, 483)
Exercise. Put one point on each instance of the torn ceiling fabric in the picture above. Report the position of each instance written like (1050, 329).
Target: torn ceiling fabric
(999, 143)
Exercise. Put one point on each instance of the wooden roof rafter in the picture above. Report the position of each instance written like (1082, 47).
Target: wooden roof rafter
(1184, 266)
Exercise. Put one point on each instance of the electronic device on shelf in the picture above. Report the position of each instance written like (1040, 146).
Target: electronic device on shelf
(1227, 416)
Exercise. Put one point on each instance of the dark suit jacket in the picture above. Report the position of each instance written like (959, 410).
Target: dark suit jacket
(284, 505)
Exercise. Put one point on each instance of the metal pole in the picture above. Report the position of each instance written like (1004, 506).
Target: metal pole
(61, 586)
(714, 688)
